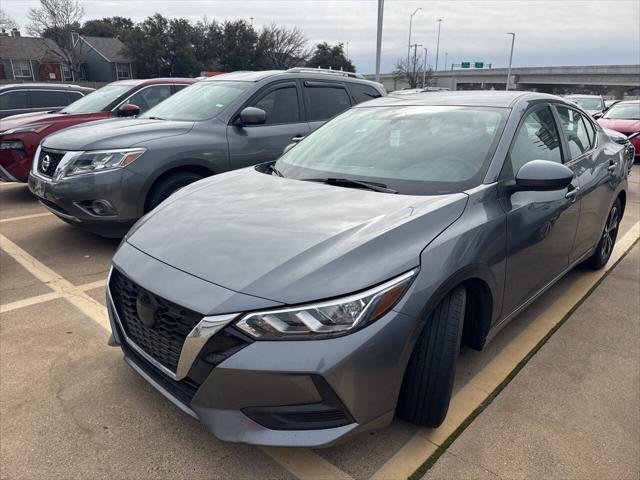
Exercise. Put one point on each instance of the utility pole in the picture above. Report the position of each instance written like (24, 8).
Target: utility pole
(438, 44)
(424, 70)
(513, 40)
(446, 54)
(409, 43)
(415, 66)
(379, 38)
(347, 49)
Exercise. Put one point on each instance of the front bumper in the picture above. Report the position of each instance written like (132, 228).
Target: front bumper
(14, 165)
(70, 199)
(279, 393)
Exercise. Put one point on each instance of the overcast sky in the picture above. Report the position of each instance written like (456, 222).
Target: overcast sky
(559, 32)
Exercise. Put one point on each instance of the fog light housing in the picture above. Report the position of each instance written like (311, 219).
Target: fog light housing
(98, 207)
(11, 145)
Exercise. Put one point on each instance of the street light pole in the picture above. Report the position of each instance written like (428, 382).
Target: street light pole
(446, 54)
(379, 38)
(513, 40)
(424, 70)
(409, 44)
(438, 44)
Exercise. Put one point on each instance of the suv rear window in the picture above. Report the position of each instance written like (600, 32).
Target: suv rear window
(14, 100)
(48, 98)
(324, 102)
(362, 93)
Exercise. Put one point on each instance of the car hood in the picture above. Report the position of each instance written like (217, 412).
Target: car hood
(114, 133)
(619, 125)
(292, 241)
(15, 121)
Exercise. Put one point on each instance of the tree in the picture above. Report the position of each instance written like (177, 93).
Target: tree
(181, 57)
(413, 72)
(326, 56)
(108, 27)
(206, 40)
(280, 48)
(6, 22)
(56, 19)
(237, 47)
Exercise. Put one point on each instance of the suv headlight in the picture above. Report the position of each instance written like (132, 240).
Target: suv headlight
(100, 160)
(28, 129)
(326, 319)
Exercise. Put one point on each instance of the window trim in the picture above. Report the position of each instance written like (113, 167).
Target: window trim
(130, 77)
(565, 141)
(508, 165)
(13, 70)
(28, 92)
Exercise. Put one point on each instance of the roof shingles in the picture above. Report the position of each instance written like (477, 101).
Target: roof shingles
(30, 48)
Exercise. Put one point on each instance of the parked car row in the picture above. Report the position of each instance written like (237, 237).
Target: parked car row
(304, 297)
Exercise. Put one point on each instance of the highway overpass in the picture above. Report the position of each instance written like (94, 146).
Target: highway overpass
(611, 80)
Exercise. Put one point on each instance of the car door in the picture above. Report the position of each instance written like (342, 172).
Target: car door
(324, 100)
(595, 172)
(253, 144)
(541, 225)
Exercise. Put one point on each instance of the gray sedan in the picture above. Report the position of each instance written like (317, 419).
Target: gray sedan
(301, 302)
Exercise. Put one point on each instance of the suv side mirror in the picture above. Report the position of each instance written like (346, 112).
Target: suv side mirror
(252, 116)
(598, 115)
(543, 175)
(129, 110)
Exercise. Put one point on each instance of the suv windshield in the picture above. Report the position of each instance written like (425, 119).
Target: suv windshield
(98, 100)
(624, 111)
(415, 150)
(588, 103)
(200, 101)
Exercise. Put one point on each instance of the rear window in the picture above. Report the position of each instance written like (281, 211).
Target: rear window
(48, 98)
(362, 93)
(324, 102)
(14, 100)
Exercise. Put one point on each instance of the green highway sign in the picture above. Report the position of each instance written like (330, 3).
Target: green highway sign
(479, 65)
(465, 64)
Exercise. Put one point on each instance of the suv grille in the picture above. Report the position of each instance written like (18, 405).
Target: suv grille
(48, 162)
(162, 338)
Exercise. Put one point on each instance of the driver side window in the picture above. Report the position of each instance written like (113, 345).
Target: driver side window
(281, 106)
(537, 139)
(151, 96)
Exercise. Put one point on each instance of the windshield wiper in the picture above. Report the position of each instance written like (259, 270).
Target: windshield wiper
(348, 182)
(273, 169)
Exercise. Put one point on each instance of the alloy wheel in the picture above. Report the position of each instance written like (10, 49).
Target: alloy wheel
(610, 232)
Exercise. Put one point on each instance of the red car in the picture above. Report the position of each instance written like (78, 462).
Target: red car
(20, 135)
(624, 117)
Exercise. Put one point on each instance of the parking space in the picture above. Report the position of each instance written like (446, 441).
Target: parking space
(70, 407)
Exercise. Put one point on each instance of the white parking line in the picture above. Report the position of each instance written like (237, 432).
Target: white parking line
(45, 297)
(25, 217)
(76, 296)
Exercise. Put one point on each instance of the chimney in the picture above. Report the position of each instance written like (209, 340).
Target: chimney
(3, 33)
(15, 32)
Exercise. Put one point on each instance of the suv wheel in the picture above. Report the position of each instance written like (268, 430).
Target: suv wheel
(162, 190)
(428, 380)
(608, 239)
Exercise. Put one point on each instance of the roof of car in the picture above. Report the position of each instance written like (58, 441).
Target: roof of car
(577, 95)
(43, 86)
(484, 98)
(627, 102)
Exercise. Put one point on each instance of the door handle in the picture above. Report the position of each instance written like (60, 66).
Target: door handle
(297, 138)
(572, 194)
(612, 166)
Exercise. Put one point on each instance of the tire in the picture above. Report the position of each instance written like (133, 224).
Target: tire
(428, 380)
(162, 190)
(608, 238)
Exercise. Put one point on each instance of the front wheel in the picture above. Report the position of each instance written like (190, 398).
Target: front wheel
(608, 239)
(163, 189)
(428, 380)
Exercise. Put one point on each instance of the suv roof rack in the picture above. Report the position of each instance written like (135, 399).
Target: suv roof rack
(326, 71)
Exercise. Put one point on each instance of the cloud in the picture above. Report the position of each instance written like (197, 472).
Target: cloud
(570, 32)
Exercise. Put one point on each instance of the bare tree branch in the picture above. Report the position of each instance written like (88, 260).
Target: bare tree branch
(54, 14)
(6, 22)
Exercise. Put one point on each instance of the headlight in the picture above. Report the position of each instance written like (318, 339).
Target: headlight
(28, 129)
(100, 160)
(11, 145)
(326, 319)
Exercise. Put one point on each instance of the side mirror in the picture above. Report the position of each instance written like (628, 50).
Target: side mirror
(128, 110)
(252, 116)
(543, 175)
(598, 115)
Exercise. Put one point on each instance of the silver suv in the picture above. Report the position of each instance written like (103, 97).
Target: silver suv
(105, 175)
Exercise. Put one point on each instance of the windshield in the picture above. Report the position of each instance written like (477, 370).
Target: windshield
(588, 103)
(624, 111)
(98, 100)
(415, 150)
(200, 101)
